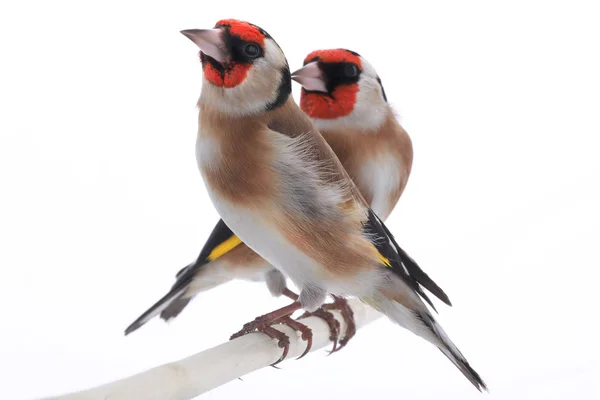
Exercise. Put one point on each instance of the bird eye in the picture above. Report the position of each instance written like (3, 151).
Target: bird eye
(252, 50)
(351, 70)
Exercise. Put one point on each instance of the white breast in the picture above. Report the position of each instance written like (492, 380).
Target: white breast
(383, 176)
(255, 230)
(262, 237)
(208, 152)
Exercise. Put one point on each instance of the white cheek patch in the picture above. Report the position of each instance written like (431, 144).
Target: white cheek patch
(237, 101)
(367, 68)
(273, 54)
(370, 110)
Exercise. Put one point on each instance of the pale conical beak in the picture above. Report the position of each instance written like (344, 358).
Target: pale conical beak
(210, 41)
(311, 77)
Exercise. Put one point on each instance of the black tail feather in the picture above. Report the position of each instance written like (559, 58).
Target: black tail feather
(156, 308)
(174, 309)
(468, 371)
(420, 275)
(415, 271)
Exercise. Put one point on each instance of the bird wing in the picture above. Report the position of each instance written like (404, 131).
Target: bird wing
(394, 257)
(221, 241)
(293, 124)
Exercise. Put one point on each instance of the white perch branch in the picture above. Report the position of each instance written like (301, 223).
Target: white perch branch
(197, 374)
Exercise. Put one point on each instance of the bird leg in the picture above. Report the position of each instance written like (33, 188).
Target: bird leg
(267, 319)
(264, 324)
(289, 294)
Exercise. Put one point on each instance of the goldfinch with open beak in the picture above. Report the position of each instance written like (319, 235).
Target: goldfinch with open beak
(357, 122)
(279, 187)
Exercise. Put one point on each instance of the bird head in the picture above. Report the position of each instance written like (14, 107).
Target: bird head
(245, 71)
(341, 89)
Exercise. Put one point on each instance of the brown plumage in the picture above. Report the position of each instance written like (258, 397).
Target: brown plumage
(244, 181)
(301, 212)
(312, 214)
(356, 148)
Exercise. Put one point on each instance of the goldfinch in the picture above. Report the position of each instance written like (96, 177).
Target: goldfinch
(358, 123)
(345, 99)
(279, 187)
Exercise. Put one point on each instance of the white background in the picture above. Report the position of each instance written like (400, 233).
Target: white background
(101, 201)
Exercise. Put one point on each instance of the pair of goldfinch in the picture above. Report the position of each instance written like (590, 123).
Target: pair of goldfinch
(303, 191)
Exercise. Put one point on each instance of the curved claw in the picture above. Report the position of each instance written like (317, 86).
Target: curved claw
(341, 346)
(347, 336)
(284, 342)
(259, 326)
(334, 348)
(300, 327)
(334, 325)
(342, 306)
(308, 347)
(286, 348)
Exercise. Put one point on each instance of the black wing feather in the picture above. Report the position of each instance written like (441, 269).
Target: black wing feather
(402, 264)
(172, 303)
(219, 234)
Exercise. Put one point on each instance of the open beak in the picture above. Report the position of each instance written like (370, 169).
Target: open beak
(210, 41)
(310, 77)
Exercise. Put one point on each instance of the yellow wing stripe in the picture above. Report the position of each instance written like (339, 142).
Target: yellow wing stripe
(224, 247)
(384, 260)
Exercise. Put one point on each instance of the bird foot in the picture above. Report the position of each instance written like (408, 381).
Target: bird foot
(307, 334)
(264, 324)
(334, 325)
(260, 324)
(344, 308)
